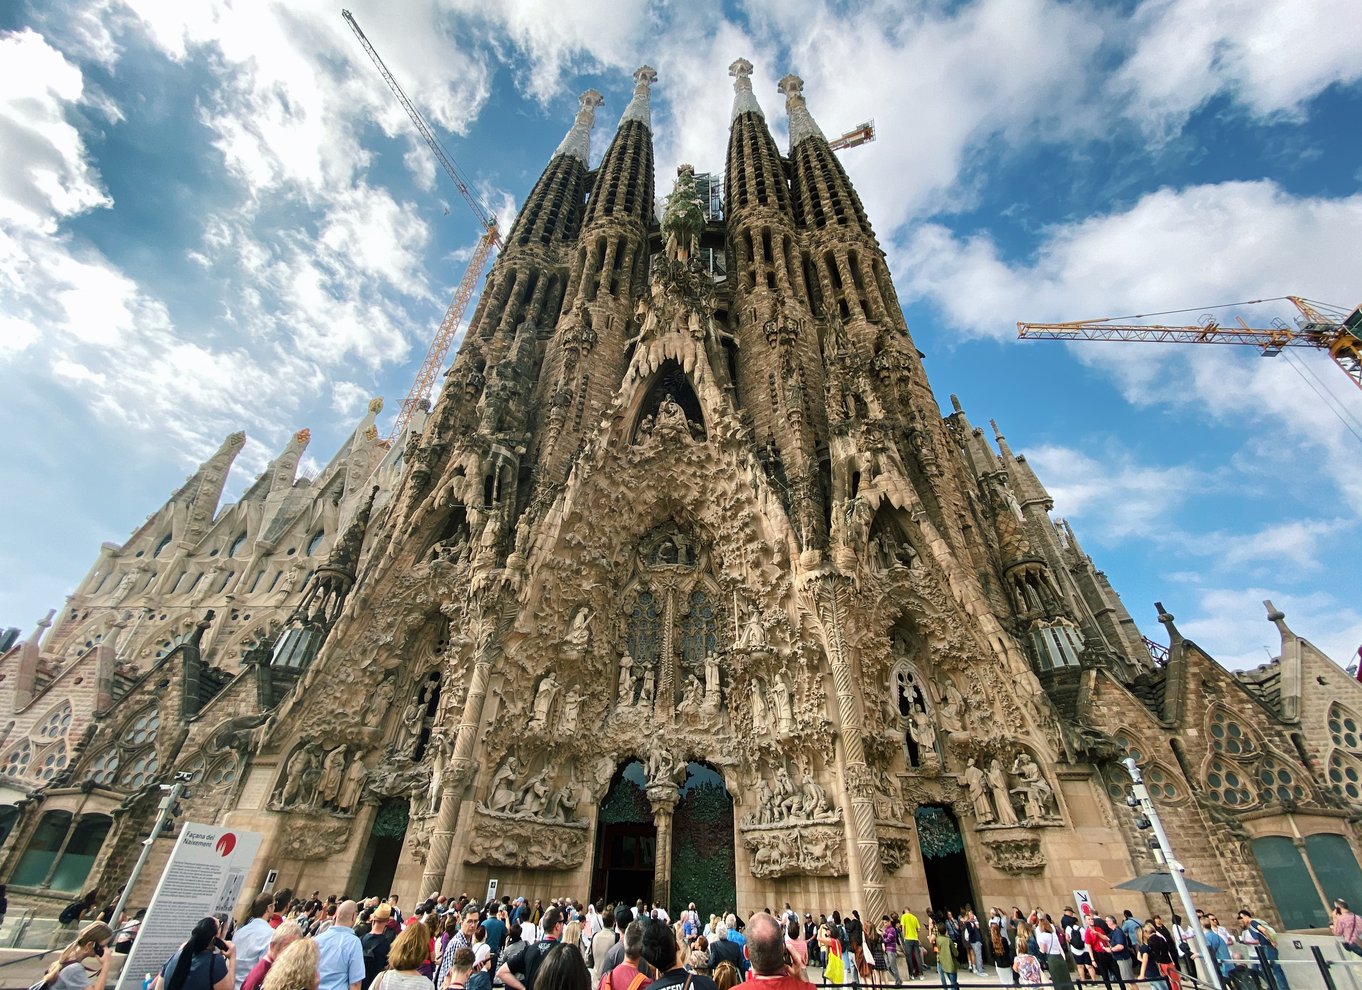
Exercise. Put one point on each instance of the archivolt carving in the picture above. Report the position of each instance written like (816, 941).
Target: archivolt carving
(1015, 855)
(314, 838)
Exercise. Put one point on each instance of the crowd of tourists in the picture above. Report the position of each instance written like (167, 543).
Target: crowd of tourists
(288, 943)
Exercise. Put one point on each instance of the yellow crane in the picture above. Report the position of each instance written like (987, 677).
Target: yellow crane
(488, 241)
(1327, 328)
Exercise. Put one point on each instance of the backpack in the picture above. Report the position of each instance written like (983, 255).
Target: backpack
(1076, 938)
(1264, 929)
(71, 912)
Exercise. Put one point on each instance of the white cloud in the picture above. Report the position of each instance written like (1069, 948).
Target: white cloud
(1271, 57)
(1230, 623)
(44, 174)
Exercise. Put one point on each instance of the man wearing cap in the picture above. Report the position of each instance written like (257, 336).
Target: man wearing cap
(376, 943)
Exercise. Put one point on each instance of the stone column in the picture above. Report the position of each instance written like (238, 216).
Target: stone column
(438, 871)
(826, 589)
(663, 801)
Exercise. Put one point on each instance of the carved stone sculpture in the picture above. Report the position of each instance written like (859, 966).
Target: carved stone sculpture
(543, 702)
(784, 707)
(626, 684)
(353, 784)
(333, 773)
(977, 786)
(811, 850)
(1037, 794)
(502, 794)
(1002, 796)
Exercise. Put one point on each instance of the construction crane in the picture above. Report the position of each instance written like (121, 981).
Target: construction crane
(488, 241)
(1319, 325)
(858, 135)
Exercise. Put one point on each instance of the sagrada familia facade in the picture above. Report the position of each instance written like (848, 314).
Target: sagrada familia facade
(683, 590)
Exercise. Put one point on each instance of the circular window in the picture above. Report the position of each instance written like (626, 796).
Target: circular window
(195, 769)
(141, 770)
(57, 722)
(143, 728)
(222, 774)
(53, 763)
(103, 769)
(1161, 784)
(16, 763)
(1227, 785)
(1343, 728)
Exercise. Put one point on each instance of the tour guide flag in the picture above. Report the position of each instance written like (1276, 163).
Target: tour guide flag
(204, 876)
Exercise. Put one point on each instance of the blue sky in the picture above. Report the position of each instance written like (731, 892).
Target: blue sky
(214, 216)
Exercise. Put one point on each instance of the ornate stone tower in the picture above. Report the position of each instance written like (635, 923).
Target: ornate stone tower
(678, 555)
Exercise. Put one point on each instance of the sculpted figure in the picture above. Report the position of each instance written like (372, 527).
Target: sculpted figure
(126, 584)
(692, 697)
(561, 806)
(534, 796)
(761, 719)
(712, 679)
(543, 701)
(997, 782)
(333, 772)
(380, 703)
(978, 793)
(815, 798)
(572, 707)
(295, 789)
(785, 799)
(626, 688)
(924, 734)
(353, 784)
(784, 708)
(952, 710)
(752, 636)
(501, 796)
(763, 812)
(579, 633)
(1038, 792)
(439, 754)
(645, 697)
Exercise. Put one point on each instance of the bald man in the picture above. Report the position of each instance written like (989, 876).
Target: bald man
(342, 956)
(766, 952)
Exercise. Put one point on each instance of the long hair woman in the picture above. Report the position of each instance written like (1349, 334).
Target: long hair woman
(408, 952)
(69, 972)
(563, 968)
(198, 964)
(297, 968)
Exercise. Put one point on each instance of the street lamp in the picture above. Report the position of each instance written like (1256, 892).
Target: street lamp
(1146, 805)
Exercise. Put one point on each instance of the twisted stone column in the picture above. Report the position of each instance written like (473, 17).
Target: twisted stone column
(864, 849)
(664, 804)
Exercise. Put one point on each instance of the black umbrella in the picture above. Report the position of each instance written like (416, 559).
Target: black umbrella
(1161, 882)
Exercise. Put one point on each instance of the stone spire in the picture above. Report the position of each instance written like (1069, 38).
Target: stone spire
(577, 142)
(638, 109)
(802, 125)
(744, 100)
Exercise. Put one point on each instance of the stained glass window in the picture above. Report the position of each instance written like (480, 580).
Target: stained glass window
(1228, 784)
(105, 768)
(143, 728)
(57, 722)
(18, 759)
(697, 629)
(645, 628)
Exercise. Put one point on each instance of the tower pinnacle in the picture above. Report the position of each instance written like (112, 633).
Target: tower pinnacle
(577, 142)
(744, 100)
(802, 124)
(638, 109)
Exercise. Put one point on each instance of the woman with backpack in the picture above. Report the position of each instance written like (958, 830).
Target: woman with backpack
(69, 972)
(205, 962)
(1082, 954)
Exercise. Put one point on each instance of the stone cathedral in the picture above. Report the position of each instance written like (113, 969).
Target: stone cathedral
(684, 590)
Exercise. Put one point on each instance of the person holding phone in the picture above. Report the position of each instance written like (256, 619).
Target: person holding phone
(205, 962)
(69, 971)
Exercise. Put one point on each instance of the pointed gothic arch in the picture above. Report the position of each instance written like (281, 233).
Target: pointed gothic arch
(670, 380)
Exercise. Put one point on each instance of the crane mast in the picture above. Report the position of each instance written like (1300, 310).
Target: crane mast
(1339, 336)
(488, 241)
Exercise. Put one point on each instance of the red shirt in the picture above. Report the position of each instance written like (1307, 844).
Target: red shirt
(782, 982)
(255, 979)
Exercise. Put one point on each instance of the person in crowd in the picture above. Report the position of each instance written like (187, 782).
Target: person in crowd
(407, 954)
(811, 940)
(375, 943)
(1121, 947)
(1050, 951)
(661, 952)
(631, 973)
(205, 962)
(1345, 927)
(624, 917)
(252, 937)
(281, 938)
(342, 956)
(723, 949)
(1076, 938)
(1025, 963)
(944, 949)
(461, 939)
(602, 942)
(127, 932)
(794, 945)
(68, 971)
(769, 955)
(1098, 937)
(296, 968)
(1220, 949)
(532, 958)
(1154, 952)
(889, 938)
(563, 968)
(1256, 933)
(910, 930)
(726, 977)
(1001, 944)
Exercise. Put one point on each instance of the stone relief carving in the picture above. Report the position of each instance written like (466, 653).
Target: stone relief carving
(515, 795)
(895, 853)
(810, 850)
(781, 802)
(1015, 855)
(314, 839)
(526, 845)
